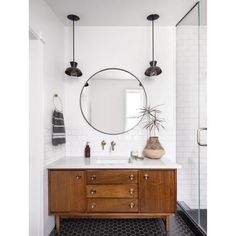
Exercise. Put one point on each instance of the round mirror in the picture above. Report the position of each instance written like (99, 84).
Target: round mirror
(111, 99)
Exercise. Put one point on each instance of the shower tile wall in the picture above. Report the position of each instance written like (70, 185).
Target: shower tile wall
(187, 113)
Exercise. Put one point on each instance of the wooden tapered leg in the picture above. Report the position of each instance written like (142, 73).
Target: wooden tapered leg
(167, 223)
(58, 224)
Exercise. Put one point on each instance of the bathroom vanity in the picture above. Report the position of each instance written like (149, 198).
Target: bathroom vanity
(84, 188)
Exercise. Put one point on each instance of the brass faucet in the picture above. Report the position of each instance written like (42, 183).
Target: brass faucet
(113, 145)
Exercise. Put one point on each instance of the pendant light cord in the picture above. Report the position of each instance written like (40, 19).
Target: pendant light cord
(73, 40)
(152, 40)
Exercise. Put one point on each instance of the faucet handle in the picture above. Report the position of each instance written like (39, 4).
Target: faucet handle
(103, 143)
(113, 145)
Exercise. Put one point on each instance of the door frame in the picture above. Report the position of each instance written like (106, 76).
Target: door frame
(36, 135)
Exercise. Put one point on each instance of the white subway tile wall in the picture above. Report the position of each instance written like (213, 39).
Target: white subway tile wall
(52, 153)
(76, 139)
(188, 115)
(125, 143)
(160, 90)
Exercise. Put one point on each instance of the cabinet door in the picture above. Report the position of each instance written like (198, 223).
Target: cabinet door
(66, 191)
(158, 191)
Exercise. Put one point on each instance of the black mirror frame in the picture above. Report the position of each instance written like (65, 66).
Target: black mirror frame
(86, 84)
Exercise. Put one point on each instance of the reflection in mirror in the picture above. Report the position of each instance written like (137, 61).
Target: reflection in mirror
(133, 102)
(111, 100)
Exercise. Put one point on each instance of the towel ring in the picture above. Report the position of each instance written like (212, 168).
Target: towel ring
(57, 103)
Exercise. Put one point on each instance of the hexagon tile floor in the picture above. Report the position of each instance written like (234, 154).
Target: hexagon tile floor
(122, 227)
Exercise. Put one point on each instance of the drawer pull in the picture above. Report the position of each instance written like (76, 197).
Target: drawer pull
(93, 191)
(131, 177)
(93, 205)
(93, 177)
(78, 177)
(131, 191)
(146, 177)
(131, 205)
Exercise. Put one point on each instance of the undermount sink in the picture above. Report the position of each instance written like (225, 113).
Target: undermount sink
(109, 160)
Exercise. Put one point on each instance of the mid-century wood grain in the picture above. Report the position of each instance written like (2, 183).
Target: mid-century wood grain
(112, 194)
(59, 191)
(67, 191)
(112, 191)
(158, 191)
(111, 176)
(112, 205)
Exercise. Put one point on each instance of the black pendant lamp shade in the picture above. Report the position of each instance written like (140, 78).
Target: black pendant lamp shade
(73, 70)
(153, 70)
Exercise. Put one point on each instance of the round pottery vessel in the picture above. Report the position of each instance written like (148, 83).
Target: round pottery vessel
(154, 149)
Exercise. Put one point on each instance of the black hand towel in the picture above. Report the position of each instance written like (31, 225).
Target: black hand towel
(58, 128)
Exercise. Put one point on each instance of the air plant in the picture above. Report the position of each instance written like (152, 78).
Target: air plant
(152, 120)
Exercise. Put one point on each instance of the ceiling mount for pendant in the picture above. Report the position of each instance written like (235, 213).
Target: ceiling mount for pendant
(152, 17)
(73, 17)
(73, 70)
(153, 70)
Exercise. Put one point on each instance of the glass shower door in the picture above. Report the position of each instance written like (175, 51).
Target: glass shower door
(191, 116)
(202, 116)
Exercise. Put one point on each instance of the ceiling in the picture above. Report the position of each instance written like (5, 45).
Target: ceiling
(121, 12)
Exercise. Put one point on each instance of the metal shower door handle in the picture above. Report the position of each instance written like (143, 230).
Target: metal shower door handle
(198, 137)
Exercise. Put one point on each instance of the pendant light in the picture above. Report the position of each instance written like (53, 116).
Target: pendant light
(73, 70)
(153, 70)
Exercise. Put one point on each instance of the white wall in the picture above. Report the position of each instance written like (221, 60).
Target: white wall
(36, 137)
(46, 24)
(128, 48)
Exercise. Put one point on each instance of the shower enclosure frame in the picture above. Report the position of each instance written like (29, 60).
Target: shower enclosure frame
(183, 207)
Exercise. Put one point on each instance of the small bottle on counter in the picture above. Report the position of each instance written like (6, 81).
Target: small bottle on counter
(87, 150)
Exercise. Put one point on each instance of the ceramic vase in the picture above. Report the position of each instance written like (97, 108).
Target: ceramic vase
(154, 149)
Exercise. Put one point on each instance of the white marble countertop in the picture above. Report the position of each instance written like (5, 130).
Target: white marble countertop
(76, 162)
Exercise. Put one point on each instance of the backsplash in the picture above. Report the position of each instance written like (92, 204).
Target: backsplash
(76, 140)
(134, 140)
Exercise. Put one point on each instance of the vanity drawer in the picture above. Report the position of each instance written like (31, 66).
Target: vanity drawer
(112, 205)
(113, 191)
(111, 176)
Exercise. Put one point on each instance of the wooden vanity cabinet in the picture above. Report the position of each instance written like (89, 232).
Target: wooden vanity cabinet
(112, 193)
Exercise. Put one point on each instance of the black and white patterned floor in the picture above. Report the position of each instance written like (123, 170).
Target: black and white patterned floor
(122, 227)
